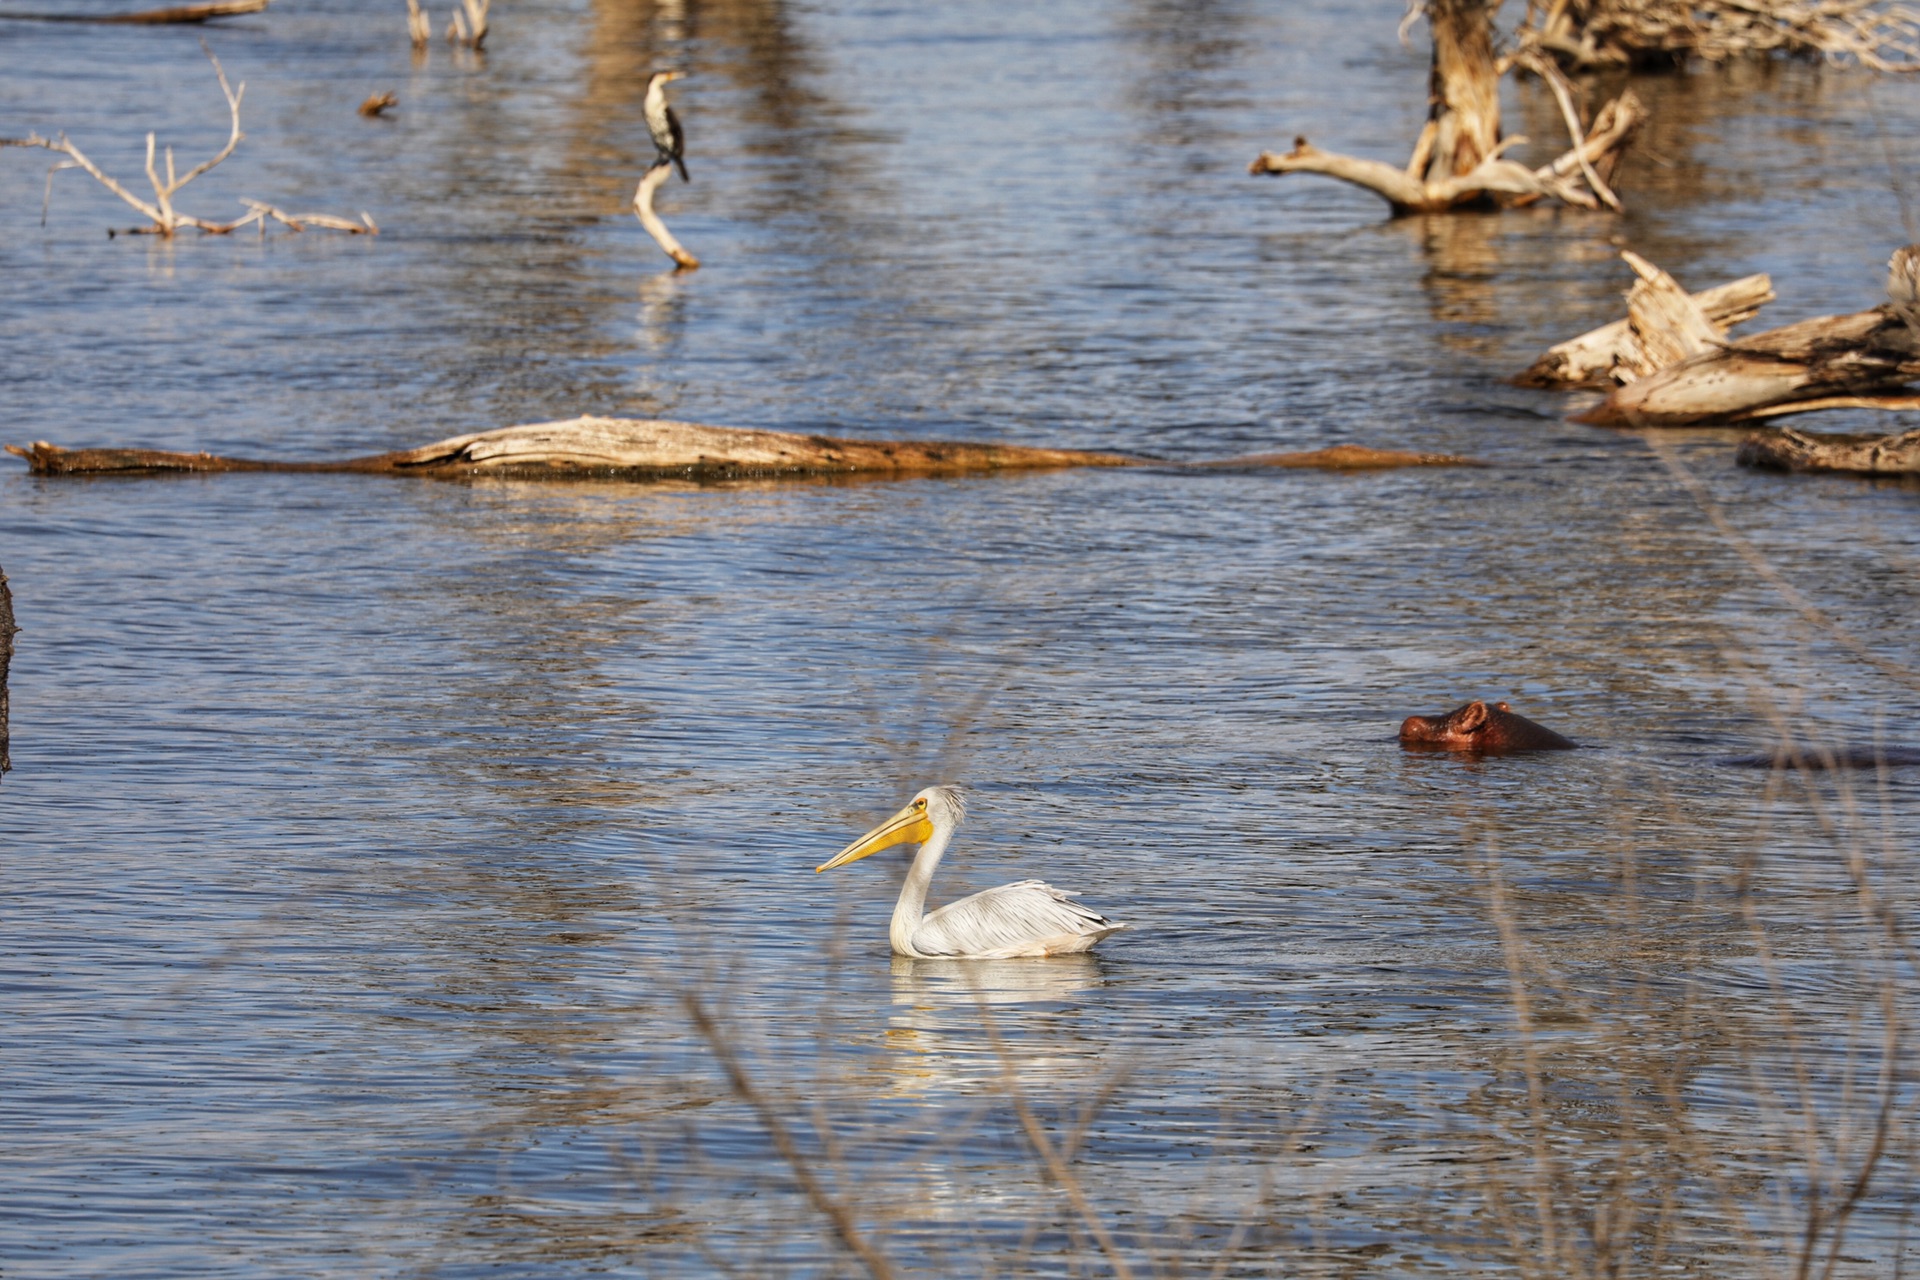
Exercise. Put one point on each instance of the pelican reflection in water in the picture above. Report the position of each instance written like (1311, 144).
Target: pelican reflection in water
(1024, 919)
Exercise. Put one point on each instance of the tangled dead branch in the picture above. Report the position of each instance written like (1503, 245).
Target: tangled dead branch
(1597, 33)
(1457, 160)
(164, 218)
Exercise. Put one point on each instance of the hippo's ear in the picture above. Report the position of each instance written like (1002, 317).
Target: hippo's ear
(1472, 716)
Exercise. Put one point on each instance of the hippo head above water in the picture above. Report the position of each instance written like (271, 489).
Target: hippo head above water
(1482, 729)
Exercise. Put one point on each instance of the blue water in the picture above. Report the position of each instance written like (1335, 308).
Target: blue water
(367, 839)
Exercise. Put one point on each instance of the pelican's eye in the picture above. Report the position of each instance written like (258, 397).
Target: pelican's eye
(919, 804)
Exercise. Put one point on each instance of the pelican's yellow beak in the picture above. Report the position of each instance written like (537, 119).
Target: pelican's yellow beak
(909, 826)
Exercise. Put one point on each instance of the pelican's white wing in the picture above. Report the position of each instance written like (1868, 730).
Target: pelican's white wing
(1025, 919)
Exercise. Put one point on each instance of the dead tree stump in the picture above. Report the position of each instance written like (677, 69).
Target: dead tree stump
(1457, 161)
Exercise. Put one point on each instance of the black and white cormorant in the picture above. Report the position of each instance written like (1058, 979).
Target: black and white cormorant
(663, 124)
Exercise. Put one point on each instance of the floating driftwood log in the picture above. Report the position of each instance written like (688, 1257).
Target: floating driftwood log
(654, 449)
(1677, 367)
(1457, 160)
(6, 660)
(621, 448)
(180, 15)
(1790, 450)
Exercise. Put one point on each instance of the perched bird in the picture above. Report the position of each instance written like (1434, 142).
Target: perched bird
(1903, 285)
(1025, 919)
(662, 123)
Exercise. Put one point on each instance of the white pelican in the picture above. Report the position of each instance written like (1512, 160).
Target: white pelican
(1024, 919)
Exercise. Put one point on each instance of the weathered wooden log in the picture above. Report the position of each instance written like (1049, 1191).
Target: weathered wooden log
(617, 448)
(1614, 353)
(1862, 360)
(180, 15)
(1790, 450)
(6, 660)
(653, 449)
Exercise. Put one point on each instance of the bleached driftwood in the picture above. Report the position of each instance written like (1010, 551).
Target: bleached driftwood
(1790, 450)
(180, 15)
(643, 210)
(622, 448)
(653, 449)
(1679, 368)
(1619, 353)
(165, 220)
(1457, 159)
(6, 660)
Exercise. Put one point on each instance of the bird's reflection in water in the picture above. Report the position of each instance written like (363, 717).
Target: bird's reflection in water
(663, 305)
(938, 1031)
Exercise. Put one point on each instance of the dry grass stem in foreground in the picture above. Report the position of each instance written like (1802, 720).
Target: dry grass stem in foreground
(1598, 33)
(160, 211)
(419, 27)
(377, 103)
(643, 210)
(836, 1213)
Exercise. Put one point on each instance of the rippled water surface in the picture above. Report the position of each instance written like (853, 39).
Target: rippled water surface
(394, 869)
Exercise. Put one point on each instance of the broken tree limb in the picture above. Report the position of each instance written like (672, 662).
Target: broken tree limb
(1493, 181)
(656, 449)
(178, 16)
(643, 210)
(1790, 450)
(1613, 354)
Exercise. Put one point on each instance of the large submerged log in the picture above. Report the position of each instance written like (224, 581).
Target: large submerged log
(657, 449)
(1790, 450)
(613, 448)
